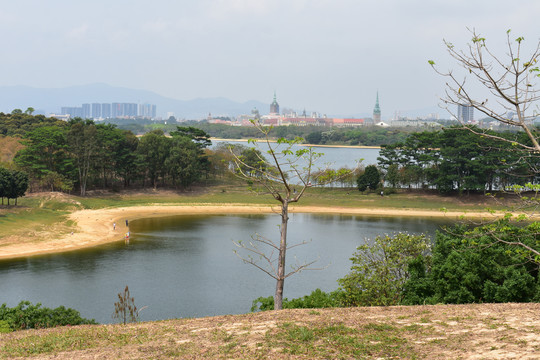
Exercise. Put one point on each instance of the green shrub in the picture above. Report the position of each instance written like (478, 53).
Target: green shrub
(380, 270)
(370, 179)
(482, 264)
(4, 327)
(28, 316)
(317, 299)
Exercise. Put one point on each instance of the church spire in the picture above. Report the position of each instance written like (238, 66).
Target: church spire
(377, 110)
(274, 106)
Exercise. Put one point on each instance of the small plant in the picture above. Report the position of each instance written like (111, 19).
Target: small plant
(125, 309)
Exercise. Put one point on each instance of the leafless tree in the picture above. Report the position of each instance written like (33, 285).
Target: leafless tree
(511, 81)
(284, 172)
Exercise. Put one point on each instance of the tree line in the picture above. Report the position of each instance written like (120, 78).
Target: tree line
(456, 159)
(317, 135)
(83, 154)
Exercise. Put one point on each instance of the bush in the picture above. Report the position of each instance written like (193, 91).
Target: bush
(4, 327)
(370, 179)
(380, 270)
(317, 299)
(28, 316)
(474, 265)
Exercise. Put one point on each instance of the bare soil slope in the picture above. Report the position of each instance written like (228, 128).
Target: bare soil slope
(479, 331)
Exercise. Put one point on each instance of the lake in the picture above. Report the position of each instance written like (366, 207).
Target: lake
(184, 266)
(337, 157)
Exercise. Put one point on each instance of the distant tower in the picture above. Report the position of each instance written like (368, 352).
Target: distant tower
(377, 111)
(274, 106)
(465, 113)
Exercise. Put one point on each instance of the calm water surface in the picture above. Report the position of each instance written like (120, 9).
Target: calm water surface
(184, 266)
(336, 157)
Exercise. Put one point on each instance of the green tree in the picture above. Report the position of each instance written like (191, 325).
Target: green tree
(184, 161)
(83, 147)
(253, 162)
(479, 264)
(380, 270)
(199, 137)
(17, 184)
(392, 175)
(371, 178)
(153, 149)
(4, 183)
(46, 151)
(314, 137)
(125, 159)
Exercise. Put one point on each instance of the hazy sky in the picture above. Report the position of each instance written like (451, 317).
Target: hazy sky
(326, 55)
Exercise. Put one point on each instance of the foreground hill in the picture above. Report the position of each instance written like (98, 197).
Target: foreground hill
(478, 331)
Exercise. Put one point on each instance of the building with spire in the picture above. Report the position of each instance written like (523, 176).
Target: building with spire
(274, 106)
(377, 111)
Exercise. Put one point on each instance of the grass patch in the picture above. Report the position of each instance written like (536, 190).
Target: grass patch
(339, 341)
(80, 338)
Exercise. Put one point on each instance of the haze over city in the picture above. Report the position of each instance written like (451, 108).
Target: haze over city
(320, 55)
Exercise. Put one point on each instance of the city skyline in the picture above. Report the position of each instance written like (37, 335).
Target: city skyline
(110, 110)
(328, 56)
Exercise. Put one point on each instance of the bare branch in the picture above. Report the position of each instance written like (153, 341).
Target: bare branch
(512, 83)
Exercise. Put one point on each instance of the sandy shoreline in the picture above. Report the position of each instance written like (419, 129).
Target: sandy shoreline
(95, 227)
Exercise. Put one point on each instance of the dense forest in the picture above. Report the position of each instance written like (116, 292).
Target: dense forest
(456, 159)
(62, 156)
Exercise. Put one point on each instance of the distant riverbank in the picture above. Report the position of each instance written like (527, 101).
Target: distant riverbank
(313, 145)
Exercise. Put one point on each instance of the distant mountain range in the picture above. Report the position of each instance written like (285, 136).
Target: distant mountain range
(50, 100)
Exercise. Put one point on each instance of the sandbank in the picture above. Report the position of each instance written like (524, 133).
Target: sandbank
(95, 227)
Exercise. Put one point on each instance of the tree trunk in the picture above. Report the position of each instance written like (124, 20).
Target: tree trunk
(278, 297)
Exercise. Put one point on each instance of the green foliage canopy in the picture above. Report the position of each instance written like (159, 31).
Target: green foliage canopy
(478, 265)
(371, 178)
(380, 270)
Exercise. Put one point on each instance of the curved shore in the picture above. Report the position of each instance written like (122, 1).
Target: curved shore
(95, 227)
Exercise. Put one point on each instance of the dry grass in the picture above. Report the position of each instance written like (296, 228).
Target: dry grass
(479, 331)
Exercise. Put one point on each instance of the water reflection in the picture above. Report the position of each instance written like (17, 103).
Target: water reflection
(184, 266)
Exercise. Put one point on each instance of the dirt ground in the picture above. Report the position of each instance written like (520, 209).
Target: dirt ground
(477, 331)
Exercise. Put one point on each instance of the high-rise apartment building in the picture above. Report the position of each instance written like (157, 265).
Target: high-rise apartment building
(147, 111)
(96, 110)
(465, 113)
(129, 110)
(86, 111)
(106, 111)
(72, 111)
